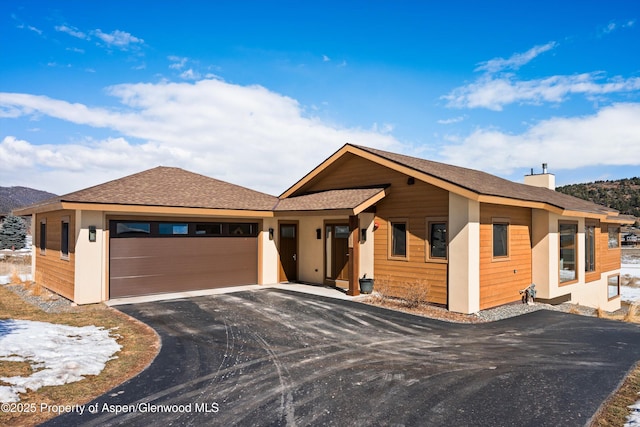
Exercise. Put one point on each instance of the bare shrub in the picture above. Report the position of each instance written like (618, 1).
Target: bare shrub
(36, 289)
(417, 293)
(601, 313)
(381, 289)
(15, 277)
(574, 310)
(632, 313)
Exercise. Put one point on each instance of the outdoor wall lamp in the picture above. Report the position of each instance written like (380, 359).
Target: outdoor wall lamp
(318, 233)
(92, 233)
(270, 233)
(363, 235)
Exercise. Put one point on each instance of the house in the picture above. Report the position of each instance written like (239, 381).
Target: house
(469, 239)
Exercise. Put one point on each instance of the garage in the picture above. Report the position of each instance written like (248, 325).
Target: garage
(152, 257)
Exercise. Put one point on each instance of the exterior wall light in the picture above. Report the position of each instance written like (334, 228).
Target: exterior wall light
(92, 233)
(270, 233)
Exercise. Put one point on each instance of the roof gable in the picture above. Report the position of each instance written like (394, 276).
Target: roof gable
(467, 182)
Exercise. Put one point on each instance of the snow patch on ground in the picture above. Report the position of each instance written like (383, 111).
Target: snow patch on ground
(58, 354)
(627, 292)
(5, 280)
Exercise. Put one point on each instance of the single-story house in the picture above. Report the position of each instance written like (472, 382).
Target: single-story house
(466, 239)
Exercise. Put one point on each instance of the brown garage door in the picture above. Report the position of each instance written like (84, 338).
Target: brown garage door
(155, 264)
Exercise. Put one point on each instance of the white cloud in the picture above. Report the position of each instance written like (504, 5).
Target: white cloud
(609, 137)
(613, 26)
(246, 135)
(495, 92)
(451, 120)
(117, 38)
(499, 85)
(516, 60)
(325, 58)
(190, 75)
(72, 31)
(177, 62)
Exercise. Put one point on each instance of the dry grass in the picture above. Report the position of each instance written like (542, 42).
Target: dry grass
(19, 263)
(615, 410)
(574, 310)
(631, 315)
(139, 343)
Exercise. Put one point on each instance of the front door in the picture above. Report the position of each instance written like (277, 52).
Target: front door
(288, 252)
(337, 253)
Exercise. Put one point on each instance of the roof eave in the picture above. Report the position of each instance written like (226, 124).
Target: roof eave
(171, 210)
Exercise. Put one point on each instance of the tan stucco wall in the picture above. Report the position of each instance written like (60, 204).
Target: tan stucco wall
(90, 276)
(546, 262)
(464, 254)
(310, 257)
(367, 247)
(269, 274)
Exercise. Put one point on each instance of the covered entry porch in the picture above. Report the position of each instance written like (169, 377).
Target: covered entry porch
(327, 246)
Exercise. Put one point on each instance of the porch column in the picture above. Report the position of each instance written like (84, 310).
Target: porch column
(354, 255)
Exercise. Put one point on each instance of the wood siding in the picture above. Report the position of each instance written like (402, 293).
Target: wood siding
(402, 278)
(52, 271)
(502, 278)
(611, 258)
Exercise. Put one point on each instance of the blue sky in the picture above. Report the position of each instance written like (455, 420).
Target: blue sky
(258, 93)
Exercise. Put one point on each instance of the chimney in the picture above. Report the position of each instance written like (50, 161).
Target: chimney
(544, 179)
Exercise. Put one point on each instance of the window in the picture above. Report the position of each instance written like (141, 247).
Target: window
(342, 232)
(568, 233)
(590, 248)
(399, 239)
(166, 229)
(614, 237)
(64, 239)
(613, 286)
(209, 229)
(500, 239)
(288, 231)
(437, 240)
(124, 229)
(43, 237)
(173, 228)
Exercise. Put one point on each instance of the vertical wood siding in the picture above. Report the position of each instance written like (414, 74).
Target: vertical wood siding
(498, 282)
(52, 271)
(401, 278)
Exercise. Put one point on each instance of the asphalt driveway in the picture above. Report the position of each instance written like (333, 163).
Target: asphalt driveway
(273, 357)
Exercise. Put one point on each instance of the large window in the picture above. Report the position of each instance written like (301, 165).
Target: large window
(590, 248)
(399, 239)
(500, 239)
(568, 246)
(614, 237)
(64, 239)
(613, 286)
(437, 240)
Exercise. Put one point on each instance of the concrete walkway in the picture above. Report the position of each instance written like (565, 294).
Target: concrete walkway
(320, 290)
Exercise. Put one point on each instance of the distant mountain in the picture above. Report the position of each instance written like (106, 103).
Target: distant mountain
(622, 195)
(16, 197)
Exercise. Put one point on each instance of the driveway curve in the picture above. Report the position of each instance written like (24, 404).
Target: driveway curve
(273, 357)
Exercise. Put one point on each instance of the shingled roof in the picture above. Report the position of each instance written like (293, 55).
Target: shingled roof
(331, 199)
(490, 185)
(171, 187)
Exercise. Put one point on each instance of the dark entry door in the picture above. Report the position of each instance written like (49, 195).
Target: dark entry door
(337, 242)
(288, 252)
